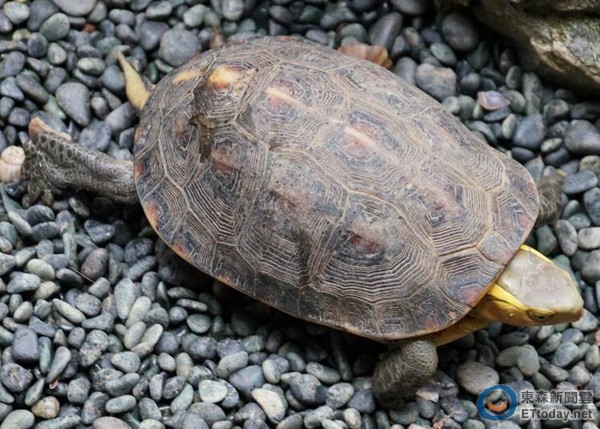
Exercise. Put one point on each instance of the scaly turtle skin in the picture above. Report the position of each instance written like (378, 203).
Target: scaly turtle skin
(332, 190)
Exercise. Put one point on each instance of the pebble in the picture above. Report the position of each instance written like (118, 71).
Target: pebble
(110, 423)
(177, 46)
(212, 391)
(272, 404)
(530, 132)
(73, 98)
(582, 138)
(15, 378)
(580, 182)
(439, 82)
(18, 419)
(55, 27)
(25, 348)
(16, 12)
(385, 30)
(46, 408)
(589, 238)
(459, 32)
(475, 377)
(120, 404)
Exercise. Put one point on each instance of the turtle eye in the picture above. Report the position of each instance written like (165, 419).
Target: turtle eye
(540, 316)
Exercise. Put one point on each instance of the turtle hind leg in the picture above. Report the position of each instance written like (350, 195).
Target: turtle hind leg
(403, 370)
(53, 163)
(550, 193)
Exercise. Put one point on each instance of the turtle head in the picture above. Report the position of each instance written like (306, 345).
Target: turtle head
(532, 290)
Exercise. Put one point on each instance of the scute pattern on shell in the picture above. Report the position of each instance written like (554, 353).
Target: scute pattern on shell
(328, 188)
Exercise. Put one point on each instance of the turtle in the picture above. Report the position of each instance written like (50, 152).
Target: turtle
(330, 189)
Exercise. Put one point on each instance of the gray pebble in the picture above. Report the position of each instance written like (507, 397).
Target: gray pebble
(567, 236)
(56, 27)
(565, 354)
(177, 46)
(474, 377)
(439, 82)
(110, 423)
(120, 404)
(308, 390)
(582, 138)
(580, 182)
(589, 238)
(23, 282)
(247, 379)
(78, 390)
(530, 132)
(74, 99)
(232, 363)
(459, 32)
(93, 348)
(12, 64)
(15, 378)
(62, 356)
(7, 263)
(313, 418)
(25, 346)
(212, 391)
(18, 419)
(16, 12)
(385, 30)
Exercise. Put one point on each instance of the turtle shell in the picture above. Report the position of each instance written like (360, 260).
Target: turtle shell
(328, 188)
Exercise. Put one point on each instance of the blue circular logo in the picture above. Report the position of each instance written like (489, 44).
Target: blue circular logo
(497, 411)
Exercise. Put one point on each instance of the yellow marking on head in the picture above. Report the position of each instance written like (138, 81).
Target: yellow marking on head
(137, 92)
(224, 76)
(186, 75)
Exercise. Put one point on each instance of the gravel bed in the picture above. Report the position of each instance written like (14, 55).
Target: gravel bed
(102, 326)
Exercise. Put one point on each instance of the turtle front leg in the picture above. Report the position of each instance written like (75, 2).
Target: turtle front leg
(403, 370)
(53, 163)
